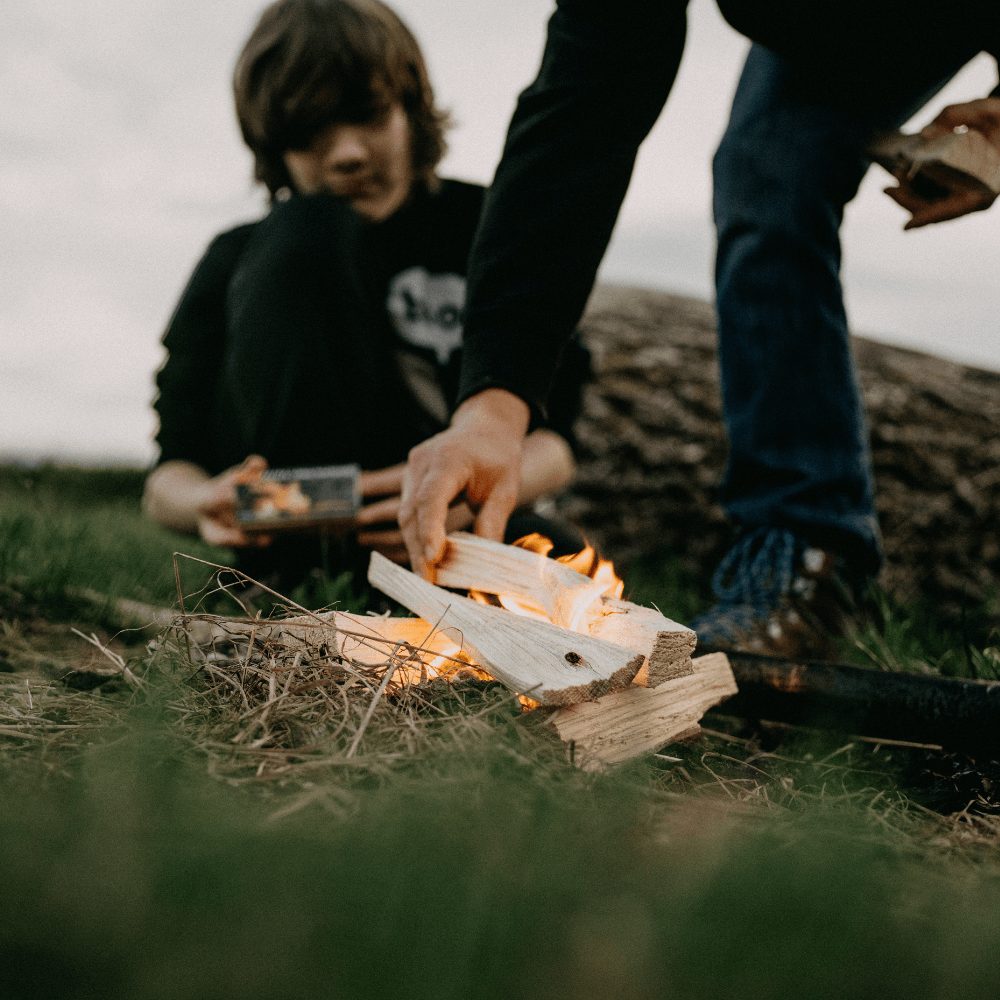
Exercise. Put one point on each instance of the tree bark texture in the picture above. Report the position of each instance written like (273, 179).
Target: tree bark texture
(652, 450)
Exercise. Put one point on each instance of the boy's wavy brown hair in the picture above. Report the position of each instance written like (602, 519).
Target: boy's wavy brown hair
(310, 63)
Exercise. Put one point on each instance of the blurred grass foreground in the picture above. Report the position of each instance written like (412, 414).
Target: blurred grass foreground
(158, 838)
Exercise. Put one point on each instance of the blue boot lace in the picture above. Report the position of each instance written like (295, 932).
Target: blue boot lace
(750, 583)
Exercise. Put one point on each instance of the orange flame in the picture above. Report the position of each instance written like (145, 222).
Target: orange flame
(587, 562)
(590, 563)
(536, 543)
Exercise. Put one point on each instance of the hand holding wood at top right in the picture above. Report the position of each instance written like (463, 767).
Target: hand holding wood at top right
(981, 116)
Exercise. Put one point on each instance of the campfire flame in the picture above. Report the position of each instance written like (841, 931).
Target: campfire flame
(587, 562)
(452, 662)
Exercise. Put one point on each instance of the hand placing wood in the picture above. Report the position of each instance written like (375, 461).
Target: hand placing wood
(478, 457)
(951, 168)
(378, 519)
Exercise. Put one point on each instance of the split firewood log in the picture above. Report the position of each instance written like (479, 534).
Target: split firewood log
(569, 599)
(473, 563)
(638, 720)
(549, 664)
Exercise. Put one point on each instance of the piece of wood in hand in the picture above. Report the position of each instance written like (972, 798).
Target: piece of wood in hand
(626, 724)
(666, 644)
(543, 661)
(473, 563)
(966, 158)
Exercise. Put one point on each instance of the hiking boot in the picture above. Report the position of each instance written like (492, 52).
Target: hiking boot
(779, 596)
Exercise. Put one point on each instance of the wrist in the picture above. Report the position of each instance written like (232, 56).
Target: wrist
(494, 409)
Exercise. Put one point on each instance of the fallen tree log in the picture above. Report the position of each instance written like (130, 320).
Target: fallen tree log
(955, 714)
(652, 450)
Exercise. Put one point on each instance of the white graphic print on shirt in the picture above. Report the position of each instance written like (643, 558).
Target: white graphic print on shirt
(427, 309)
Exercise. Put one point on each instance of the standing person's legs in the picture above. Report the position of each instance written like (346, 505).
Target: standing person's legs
(799, 471)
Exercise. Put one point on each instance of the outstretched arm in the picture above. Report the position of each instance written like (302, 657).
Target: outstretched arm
(567, 162)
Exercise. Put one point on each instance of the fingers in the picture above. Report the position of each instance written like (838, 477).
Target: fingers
(982, 115)
(383, 482)
(491, 522)
(460, 517)
(248, 471)
(381, 512)
(479, 456)
(434, 477)
(952, 206)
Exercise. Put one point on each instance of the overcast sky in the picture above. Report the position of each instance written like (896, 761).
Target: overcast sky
(120, 159)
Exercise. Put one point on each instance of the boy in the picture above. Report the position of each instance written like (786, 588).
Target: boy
(329, 331)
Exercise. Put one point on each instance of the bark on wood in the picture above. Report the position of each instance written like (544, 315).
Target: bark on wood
(640, 720)
(652, 450)
(956, 714)
(472, 563)
(534, 658)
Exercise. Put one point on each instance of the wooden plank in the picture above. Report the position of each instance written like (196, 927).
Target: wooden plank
(666, 644)
(549, 664)
(569, 599)
(638, 720)
(473, 563)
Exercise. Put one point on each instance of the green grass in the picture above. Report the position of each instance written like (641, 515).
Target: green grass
(149, 849)
(69, 529)
(494, 872)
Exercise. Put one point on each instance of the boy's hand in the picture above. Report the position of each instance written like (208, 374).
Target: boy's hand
(982, 116)
(216, 510)
(479, 458)
(378, 521)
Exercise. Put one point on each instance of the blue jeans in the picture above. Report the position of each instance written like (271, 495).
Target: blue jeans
(790, 160)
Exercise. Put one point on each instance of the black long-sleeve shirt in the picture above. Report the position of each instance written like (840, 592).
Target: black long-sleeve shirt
(233, 341)
(605, 75)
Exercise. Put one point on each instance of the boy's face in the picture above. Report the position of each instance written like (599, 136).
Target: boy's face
(370, 163)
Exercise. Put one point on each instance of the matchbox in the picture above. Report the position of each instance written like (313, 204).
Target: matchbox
(285, 499)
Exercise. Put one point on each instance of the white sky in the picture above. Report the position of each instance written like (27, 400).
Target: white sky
(120, 159)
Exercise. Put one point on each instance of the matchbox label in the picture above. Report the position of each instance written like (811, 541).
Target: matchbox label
(300, 498)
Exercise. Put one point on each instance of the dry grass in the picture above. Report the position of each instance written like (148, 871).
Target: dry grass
(257, 707)
(229, 804)
(855, 777)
